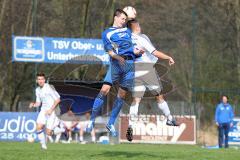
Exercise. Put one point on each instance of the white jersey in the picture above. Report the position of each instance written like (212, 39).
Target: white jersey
(46, 96)
(143, 41)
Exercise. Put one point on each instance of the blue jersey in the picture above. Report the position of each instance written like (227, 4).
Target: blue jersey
(224, 113)
(119, 41)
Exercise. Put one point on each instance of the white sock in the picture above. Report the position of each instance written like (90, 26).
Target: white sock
(165, 109)
(81, 138)
(50, 138)
(41, 137)
(93, 138)
(58, 136)
(169, 117)
(133, 111)
(58, 130)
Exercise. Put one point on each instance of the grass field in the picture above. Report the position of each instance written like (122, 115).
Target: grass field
(32, 151)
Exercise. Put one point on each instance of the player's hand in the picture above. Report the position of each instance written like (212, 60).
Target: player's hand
(121, 60)
(231, 125)
(170, 61)
(217, 124)
(138, 51)
(48, 112)
(31, 105)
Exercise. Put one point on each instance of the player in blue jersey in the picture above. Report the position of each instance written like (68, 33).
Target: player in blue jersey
(118, 44)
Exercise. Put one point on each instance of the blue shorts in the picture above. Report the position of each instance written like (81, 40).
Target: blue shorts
(108, 79)
(123, 74)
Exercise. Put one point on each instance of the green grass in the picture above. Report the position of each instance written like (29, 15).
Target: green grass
(32, 151)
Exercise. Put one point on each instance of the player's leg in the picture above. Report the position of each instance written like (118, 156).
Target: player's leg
(52, 126)
(68, 126)
(163, 106)
(41, 121)
(50, 138)
(124, 75)
(97, 105)
(155, 86)
(80, 126)
(99, 100)
(133, 111)
(117, 106)
(137, 94)
(55, 129)
(93, 135)
(58, 130)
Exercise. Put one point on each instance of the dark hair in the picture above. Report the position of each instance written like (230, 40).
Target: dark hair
(224, 96)
(118, 12)
(40, 74)
(130, 22)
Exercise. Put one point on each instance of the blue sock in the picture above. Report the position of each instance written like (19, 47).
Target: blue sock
(118, 103)
(97, 105)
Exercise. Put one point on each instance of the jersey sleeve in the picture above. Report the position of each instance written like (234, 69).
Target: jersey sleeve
(53, 93)
(216, 113)
(231, 114)
(147, 44)
(106, 42)
(38, 100)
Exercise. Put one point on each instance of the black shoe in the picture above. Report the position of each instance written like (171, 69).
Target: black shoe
(171, 123)
(129, 134)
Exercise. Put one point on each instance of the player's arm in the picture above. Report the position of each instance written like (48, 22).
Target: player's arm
(109, 48)
(150, 48)
(161, 55)
(117, 57)
(55, 104)
(34, 104)
(37, 103)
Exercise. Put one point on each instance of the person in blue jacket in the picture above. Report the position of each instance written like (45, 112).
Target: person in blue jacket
(224, 120)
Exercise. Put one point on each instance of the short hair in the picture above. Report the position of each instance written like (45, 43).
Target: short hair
(221, 99)
(224, 96)
(130, 23)
(118, 12)
(40, 74)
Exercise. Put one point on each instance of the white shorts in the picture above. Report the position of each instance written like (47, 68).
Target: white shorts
(69, 124)
(50, 121)
(82, 125)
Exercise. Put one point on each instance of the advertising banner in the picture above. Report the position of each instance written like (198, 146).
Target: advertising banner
(234, 132)
(17, 126)
(58, 50)
(153, 129)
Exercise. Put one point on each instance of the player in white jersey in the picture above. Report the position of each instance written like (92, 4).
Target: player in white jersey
(48, 98)
(146, 77)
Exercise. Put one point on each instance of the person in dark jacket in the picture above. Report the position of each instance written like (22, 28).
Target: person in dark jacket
(224, 120)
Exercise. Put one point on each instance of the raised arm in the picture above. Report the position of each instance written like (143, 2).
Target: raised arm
(161, 55)
(145, 41)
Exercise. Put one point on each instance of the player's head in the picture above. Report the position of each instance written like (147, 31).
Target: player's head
(134, 26)
(119, 18)
(40, 79)
(224, 99)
